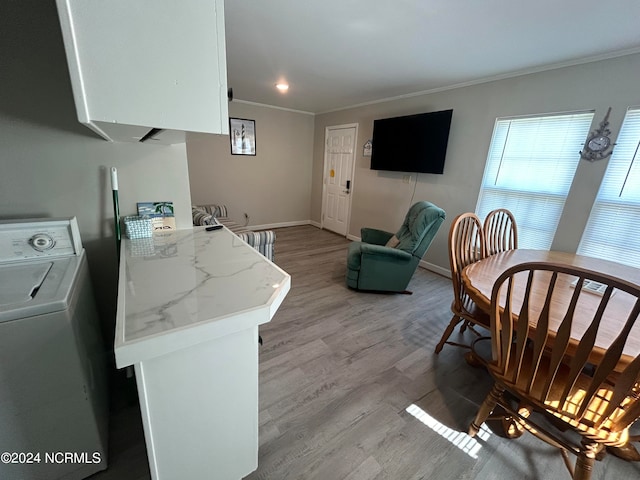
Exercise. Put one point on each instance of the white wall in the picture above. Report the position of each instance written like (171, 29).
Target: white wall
(51, 166)
(381, 199)
(274, 186)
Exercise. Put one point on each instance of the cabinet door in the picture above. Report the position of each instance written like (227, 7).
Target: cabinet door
(145, 63)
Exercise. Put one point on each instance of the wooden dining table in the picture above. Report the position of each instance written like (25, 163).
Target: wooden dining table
(478, 279)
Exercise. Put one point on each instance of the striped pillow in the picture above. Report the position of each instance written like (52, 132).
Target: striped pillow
(200, 217)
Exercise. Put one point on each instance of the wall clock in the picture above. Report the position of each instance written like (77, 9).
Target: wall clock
(598, 144)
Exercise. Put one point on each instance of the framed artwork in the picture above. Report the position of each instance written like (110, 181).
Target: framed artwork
(242, 133)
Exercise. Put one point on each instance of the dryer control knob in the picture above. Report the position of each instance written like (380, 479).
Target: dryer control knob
(42, 242)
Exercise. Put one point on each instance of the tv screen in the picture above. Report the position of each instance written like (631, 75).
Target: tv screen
(412, 143)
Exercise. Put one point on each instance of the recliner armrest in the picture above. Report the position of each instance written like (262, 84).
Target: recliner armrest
(375, 236)
(385, 252)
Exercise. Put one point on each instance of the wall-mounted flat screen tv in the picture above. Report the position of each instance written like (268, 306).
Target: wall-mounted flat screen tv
(412, 143)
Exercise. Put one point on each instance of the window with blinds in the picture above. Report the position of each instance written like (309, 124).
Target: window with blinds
(613, 229)
(529, 170)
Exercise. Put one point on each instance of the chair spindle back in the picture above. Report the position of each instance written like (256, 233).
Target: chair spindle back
(466, 246)
(546, 367)
(500, 231)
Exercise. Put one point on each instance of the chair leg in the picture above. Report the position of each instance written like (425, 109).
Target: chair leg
(567, 462)
(586, 460)
(486, 408)
(464, 326)
(447, 333)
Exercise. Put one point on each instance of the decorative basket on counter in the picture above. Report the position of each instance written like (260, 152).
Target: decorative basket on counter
(138, 227)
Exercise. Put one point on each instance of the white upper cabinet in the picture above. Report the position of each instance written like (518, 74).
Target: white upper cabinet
(138, 65)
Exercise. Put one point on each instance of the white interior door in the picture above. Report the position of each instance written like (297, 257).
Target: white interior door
(339, 155)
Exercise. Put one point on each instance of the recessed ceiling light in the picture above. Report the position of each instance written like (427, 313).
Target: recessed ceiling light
(283, 87)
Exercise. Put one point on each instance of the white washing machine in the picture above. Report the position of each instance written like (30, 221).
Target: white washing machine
(53, 381)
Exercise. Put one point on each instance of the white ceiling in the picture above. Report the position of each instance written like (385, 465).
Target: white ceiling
(340, 53)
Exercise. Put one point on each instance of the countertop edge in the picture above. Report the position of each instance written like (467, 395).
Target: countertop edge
(163, 343)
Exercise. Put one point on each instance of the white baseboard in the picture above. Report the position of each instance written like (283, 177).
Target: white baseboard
(297, 223)
(445, 272)
(269, 226)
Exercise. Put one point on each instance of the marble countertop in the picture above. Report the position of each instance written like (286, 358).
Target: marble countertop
(189, 286)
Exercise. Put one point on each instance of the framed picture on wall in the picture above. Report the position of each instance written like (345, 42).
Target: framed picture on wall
(242, 133)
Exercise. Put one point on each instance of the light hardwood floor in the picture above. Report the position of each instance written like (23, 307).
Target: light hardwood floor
(350, 387)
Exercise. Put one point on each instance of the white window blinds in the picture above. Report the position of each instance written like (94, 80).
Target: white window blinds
(613, 229)
(529, 170)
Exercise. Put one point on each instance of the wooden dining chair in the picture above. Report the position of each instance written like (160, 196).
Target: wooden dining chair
(556, 375)
(466, 246)
(500, 231)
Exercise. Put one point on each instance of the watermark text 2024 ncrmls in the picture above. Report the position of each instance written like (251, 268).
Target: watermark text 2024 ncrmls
(50, 457)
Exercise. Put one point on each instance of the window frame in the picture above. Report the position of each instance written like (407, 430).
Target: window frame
(610, 210)
(528, 204)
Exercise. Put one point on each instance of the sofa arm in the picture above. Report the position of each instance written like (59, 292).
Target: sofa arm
(262, 241)
(211, 214)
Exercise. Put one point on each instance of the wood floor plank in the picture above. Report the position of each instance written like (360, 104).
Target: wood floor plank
(367, 470)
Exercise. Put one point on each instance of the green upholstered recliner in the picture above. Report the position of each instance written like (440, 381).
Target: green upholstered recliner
(373, 266)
